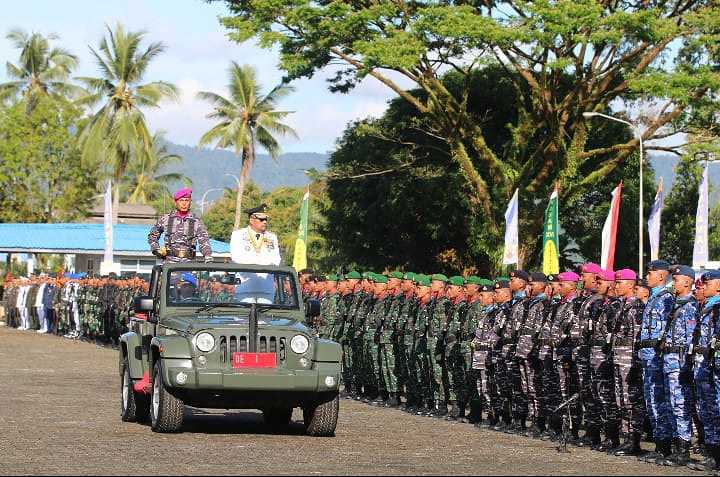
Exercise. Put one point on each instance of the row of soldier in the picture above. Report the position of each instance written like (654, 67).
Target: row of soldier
(95, 308)
(517, 353)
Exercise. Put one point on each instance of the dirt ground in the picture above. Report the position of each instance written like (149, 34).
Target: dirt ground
(60, 414)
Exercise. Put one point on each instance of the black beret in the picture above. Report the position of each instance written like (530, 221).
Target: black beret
(657, 265)
(486, 288)
(521, 274)
(683, 270)
(502, 284)
(538, 277)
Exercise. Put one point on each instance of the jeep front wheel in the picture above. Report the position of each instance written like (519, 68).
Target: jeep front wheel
(166, 411)
(321, 419)
(134, 407)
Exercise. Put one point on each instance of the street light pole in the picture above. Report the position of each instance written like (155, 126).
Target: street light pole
(237, 180)
(202, 201)
(638, 134)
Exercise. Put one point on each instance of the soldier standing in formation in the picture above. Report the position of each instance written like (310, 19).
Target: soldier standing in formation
(612, 347)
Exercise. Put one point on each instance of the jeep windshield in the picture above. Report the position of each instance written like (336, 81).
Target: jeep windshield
(205, 288)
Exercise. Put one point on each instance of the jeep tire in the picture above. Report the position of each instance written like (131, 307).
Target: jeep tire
(321, 418)
(277, 418)
(134, 407)
(166, 411)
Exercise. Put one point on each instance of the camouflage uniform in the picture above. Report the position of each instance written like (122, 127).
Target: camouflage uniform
(471, 323)
(517, 373)
(345, 338)
(455, 354)
(382, 327)
(565, 338)
(407, 339)
(436, 344)
(353, 335)
(182, 234)
(330, 320)
(528, 362)
(550, 395)
(484, 349)
(502, 361)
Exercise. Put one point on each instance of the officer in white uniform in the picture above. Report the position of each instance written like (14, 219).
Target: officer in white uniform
(254, 244)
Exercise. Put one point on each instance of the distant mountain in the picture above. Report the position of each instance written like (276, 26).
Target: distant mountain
(664, 166)
(207, 168)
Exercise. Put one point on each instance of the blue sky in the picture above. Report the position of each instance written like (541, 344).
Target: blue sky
(197, 57)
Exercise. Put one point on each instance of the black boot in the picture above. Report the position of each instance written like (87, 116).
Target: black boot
(612, 439)
(681, 456)
(475, 415)
(423, 410)
(454, 413)
(442, 410)
(393, 400)
(662, 450)
(710, 463)
(631, 446)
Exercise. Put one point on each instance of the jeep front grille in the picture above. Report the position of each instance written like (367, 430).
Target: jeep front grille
(229, 344)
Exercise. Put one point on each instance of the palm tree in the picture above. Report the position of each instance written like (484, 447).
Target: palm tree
(117, 130)
(146, 179)
(246, 118)
(42, 70)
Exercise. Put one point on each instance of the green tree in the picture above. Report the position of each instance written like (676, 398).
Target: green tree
(117, 130)
(41, 69)
(42, 178)
(147, 179)
(563, 57)
(246, 118)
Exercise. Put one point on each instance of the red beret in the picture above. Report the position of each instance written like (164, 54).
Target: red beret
(182, 193)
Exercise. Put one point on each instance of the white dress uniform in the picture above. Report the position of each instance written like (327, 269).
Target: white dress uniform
(254, 248)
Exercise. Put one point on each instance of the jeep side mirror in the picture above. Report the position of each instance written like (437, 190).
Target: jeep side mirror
(312, 309)
(143, 304)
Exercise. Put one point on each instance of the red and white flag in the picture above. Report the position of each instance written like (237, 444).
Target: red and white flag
(609, 232)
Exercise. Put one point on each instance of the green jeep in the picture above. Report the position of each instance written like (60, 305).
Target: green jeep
(227, 336)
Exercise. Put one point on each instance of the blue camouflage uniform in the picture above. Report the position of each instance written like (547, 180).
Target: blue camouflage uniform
(655, 317)
(677, 342)
(707, 382)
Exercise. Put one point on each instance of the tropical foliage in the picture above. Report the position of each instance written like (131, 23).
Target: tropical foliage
(246, 118)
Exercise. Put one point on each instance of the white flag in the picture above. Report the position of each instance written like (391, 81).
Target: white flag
(108, 257)
(654, 222)
(700, 249)
(511, 232)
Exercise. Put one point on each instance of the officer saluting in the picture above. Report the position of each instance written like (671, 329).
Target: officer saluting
(183, 231)
(254, 244)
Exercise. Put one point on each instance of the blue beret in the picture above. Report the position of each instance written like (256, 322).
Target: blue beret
(190, 278)
(683, 270)
(711, 275)
(656, 265)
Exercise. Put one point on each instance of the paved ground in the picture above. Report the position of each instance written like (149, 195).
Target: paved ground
(60, 414)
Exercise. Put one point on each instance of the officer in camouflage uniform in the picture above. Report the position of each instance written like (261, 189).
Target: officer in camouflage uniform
(395, 290)
(437, 370)
(330, 318)
(520, 305)
(183, 232)
(381, 327)
(528, 362)
(365, 373)
(353, 337)
(464, 334)
(503, 330)
(602, 374)
(706, 371)
(628, 372)
(655, 318)
(406, 338)
(349, 300)
(565, 338)
(454, 358)
(549, 395)
(422, 356)
(483, 345)
(676, 368)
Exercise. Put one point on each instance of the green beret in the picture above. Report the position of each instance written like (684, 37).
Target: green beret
(439, 277)
(367, 275)
(457, 281)
(353, 276)
(485, 282)
(409, 276)
(473, 280)
(422, 280)
(332, 278)
(380, 279)
(398, 275)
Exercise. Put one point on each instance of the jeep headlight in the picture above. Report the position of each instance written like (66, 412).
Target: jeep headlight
(204, 342)
(299, 344)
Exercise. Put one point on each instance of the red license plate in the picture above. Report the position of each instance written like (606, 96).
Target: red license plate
(254, 360)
